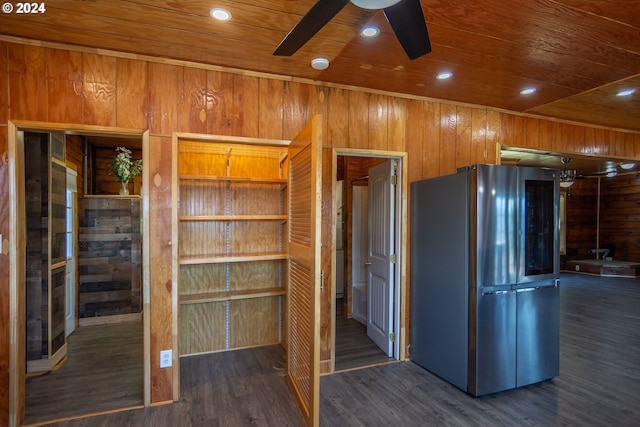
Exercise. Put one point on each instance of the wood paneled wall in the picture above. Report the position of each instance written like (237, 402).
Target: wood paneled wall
(57, 85)
(109, 262)
(619, 218)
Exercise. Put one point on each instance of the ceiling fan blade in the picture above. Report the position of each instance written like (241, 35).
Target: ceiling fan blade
(407, 20)
(316, 18)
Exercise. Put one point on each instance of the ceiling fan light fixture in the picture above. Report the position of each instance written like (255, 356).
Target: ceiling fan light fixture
(319, 63)
(567, 176)
(374, 4)
(627, 165)
(611, 172)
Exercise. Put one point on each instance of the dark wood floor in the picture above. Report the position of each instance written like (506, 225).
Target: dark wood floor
(354, 349)
(599, 382)
(103, 371)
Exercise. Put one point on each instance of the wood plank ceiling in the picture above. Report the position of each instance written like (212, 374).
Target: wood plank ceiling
(577, 53)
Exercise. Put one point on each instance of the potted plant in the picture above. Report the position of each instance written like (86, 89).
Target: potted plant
(124, 168)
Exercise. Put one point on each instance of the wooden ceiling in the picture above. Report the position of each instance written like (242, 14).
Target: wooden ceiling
(576, 53)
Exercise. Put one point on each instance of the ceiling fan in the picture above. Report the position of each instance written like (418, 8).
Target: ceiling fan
(405, 17)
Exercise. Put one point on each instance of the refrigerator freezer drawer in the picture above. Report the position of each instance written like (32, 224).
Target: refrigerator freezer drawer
(538, 335)
(493, 364)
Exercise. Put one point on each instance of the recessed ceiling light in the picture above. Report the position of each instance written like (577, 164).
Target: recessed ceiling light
(444, 75)
(627, 165)
(221, 14)
(319, 63)
(527, 91)
(370, 32)
(626, 92)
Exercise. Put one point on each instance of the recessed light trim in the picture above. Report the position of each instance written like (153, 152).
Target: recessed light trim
(444, 75)
(528, 91)
(220, 14)
(626, 92)
(370, 32)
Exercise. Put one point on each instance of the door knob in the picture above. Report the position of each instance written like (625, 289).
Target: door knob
(367, 264)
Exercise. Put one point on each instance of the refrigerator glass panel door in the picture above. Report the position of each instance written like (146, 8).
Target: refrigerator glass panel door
(539, 230)
(538, 321)
(496, 234)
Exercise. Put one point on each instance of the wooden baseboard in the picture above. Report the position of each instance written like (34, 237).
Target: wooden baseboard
(105, 320)
(46, 365)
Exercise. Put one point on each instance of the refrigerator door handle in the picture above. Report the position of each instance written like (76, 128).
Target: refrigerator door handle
(495, 293)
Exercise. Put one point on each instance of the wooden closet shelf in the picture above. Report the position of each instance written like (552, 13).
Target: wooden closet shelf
(217, 259)
(231, 295)
(233, 217)
(233, 179)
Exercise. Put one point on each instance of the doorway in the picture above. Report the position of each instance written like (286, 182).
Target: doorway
(367, 323)
(18, 239)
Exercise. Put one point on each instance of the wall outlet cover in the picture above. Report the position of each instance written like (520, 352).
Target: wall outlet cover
(165, 359)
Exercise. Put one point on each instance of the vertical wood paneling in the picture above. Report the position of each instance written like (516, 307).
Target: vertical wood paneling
(132, 94)
(193, 113)
(494, 135)
(326, 255)
(378, 125)
(397, 124)
(219, 102)
(532, 135)
(414, 138)
(4, 85)
(159, 169)
(463, 137)
(27, 82)
(478, 135)
(358, 120)
(271, 111)
(431, 139)
(165, 88)
(246, 105)
(317, 105)
(448, 133)
(99, 89)
(337, 118)
(4, 271)
(296, 99)
(140, 94)
(64, 85)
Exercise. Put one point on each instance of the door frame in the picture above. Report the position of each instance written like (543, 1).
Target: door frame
(17, 255)
(400, 305)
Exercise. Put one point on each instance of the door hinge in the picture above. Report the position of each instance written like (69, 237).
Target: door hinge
(394, 179)
(392, 337)
(394, 259)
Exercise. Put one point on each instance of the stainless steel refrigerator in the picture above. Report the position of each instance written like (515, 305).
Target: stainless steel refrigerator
(484, 277)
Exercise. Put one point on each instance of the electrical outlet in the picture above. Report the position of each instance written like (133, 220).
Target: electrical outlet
(165, 359)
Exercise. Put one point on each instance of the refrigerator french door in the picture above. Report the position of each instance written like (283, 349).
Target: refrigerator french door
(511, 324)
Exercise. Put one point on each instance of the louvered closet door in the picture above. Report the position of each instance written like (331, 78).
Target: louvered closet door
(303, 364)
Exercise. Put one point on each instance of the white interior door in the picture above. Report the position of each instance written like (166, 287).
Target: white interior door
(381, 263)
(72, 239)
(359, 252)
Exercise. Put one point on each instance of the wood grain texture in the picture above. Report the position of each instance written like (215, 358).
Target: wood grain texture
(193, 103)
(246, 106)
(27, 82)
(102, 372)
(4, 85)
(348, 126)
(64, 85)
(165, 89)
(99, 89)
(597, 385)
(160, 285)
(132, 94)
(4, 278)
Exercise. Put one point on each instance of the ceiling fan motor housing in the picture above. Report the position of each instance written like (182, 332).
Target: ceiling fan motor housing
(374, 4)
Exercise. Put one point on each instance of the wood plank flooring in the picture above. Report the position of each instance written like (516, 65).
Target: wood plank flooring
(103, 371)
(354, 349)
(599, 382)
